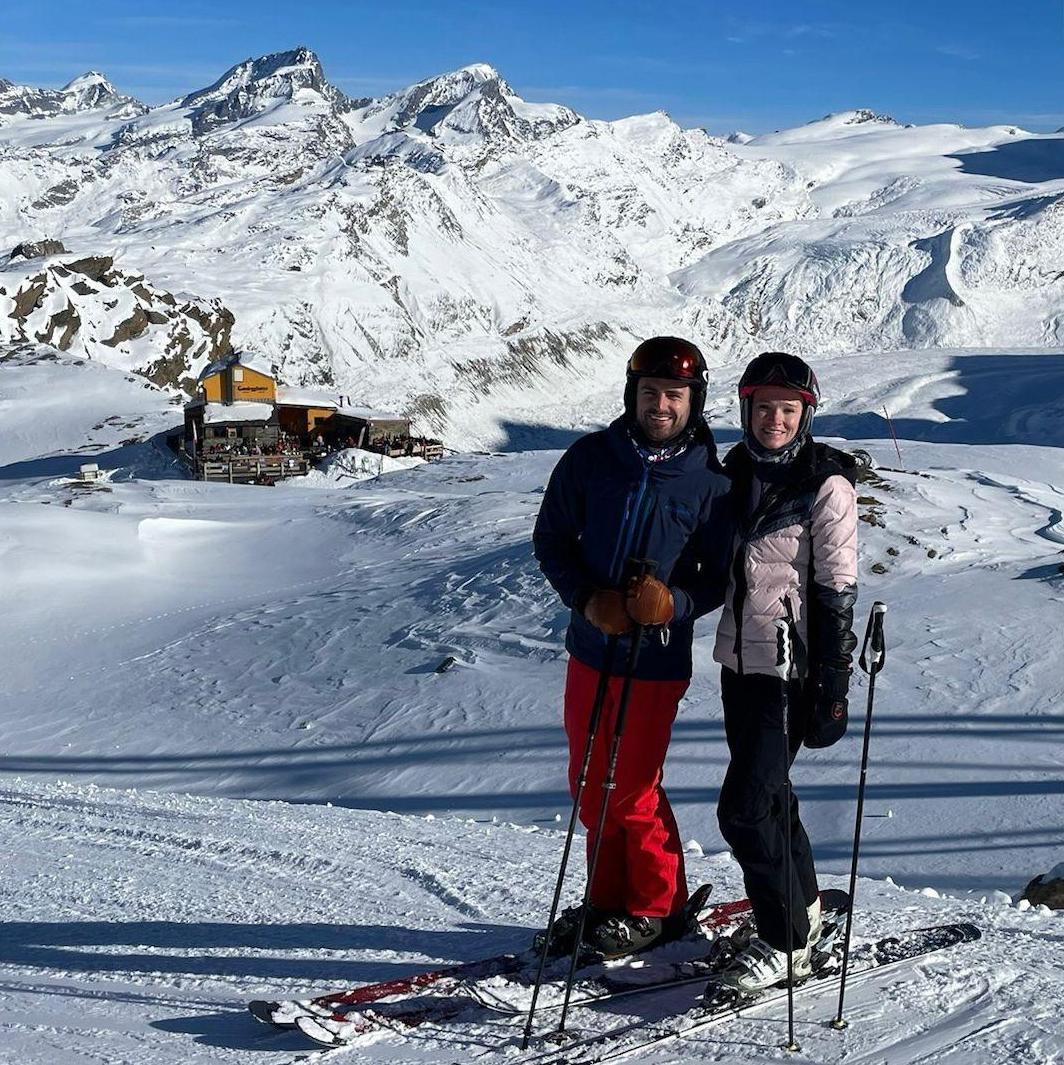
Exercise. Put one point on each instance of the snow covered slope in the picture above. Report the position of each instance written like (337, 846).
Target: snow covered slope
(458, 252)
(284, 643)
(141, 923)
(167, 636)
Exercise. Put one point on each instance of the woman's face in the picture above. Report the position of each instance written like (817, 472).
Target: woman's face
(775, 414)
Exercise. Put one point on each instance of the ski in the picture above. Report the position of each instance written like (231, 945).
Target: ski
(283, 1014)
(682, 962)
(869, 960)
(638, 974)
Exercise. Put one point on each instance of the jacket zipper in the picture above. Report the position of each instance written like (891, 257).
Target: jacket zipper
(631, 522)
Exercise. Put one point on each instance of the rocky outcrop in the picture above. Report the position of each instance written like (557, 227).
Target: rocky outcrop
(1047, 889)
(94, 267)
(37, 249)
(88, 304)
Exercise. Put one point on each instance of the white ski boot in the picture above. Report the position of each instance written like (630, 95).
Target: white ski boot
(759, 966)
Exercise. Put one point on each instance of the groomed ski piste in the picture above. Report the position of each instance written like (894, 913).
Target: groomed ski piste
(231, 770)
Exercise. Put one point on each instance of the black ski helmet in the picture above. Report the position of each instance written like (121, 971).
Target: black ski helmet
(780, 370)
(673, 359)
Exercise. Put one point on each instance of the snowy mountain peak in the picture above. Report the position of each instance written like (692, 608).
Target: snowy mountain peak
(480, 72)
(90, 79)
(257, 84)
(92, 90)
(448, 90)
(89, 92)
(283, 71)
(861, 116)
(472, 105)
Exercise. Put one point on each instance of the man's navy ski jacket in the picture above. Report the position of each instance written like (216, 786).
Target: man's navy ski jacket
(606, 504)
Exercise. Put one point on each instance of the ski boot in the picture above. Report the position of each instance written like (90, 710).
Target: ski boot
(563, 931)
(618, 936)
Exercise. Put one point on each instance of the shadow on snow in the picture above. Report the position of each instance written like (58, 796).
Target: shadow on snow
(1006, 399)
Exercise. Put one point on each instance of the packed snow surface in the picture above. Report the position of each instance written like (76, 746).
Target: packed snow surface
(194, 671)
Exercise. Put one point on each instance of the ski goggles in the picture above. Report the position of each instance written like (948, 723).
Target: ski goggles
(788, 372)
(676, 365)
(804, 393)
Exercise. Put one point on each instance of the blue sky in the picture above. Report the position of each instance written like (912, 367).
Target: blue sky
(724, 66)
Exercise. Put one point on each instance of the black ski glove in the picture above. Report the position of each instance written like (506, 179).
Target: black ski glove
(826, 707)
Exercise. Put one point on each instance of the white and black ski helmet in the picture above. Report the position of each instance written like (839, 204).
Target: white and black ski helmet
(672, 359)
(779, 370)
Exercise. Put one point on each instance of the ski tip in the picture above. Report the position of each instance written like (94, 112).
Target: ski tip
(318, 1032)
(697, 900)
(265, 1012)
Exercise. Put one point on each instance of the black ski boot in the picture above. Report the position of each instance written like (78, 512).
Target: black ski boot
(618, 936)
(564, 929)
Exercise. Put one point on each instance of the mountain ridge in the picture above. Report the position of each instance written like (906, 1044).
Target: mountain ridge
(390, 244)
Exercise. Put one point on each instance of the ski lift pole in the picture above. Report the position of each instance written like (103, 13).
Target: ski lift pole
(873, 657)
(784, 663)
(592, 731)
(635, 568)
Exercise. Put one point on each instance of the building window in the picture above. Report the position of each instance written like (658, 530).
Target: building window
(238, 374)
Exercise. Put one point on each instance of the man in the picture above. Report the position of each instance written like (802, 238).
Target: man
(648, 487)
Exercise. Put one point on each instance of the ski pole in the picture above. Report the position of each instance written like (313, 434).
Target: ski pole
(592, 731)
(873, 657)
(783, 671)
(609, 784)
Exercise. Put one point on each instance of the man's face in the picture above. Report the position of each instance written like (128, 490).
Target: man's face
(662, 408)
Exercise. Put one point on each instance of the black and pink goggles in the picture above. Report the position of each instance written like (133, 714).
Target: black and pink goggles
(778, 369)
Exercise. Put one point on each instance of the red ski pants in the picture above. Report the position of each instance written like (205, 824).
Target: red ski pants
(640, 867)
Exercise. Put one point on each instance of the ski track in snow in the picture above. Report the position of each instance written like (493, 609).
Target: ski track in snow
(168, 637)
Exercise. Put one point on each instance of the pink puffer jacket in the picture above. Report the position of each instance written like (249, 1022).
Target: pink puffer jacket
(800, 543)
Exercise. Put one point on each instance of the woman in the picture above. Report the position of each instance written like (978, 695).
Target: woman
(795, 555)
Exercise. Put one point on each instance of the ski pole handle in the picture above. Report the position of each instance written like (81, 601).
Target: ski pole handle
(874, 649)
(640, 567)
(783, 649)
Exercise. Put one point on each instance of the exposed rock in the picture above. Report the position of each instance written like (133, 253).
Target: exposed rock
(101, 305)
(94, 267)
(172, 370)
(427, 409)
(37, 249)
(133, 327)
(217, 325)
(58, 195)
(1047, 889)
(60, 328)
(27, 299)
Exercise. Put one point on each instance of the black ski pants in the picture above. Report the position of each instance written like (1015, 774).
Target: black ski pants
(751, 810)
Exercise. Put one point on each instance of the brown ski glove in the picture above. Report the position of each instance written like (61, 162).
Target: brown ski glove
(649, 601)
(605, 610)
